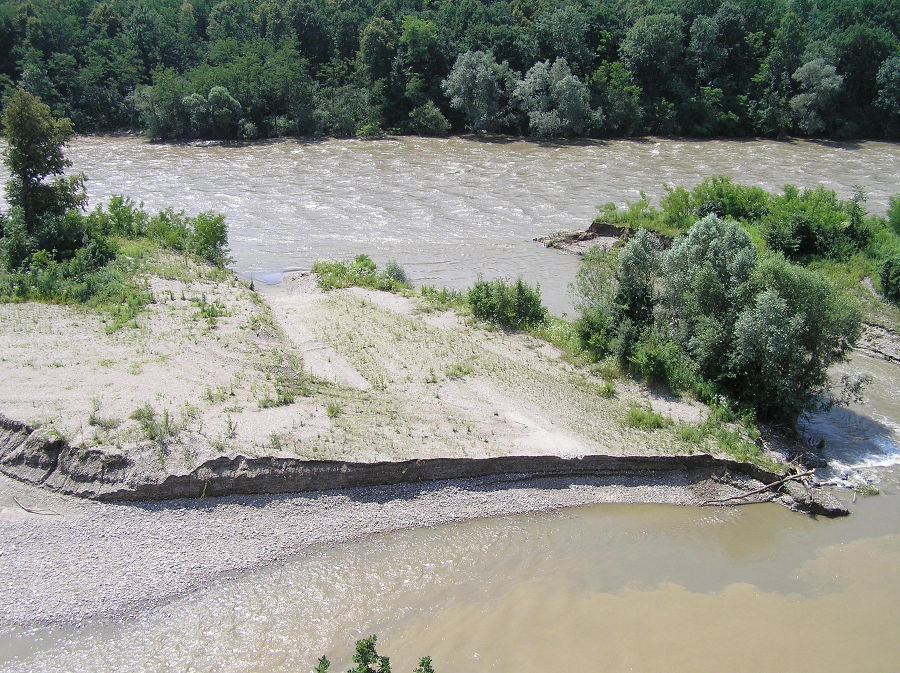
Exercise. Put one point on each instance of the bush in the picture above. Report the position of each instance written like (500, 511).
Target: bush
(593, 332)
(396, 273)
(362, 272)
(890, 279)
(893, 213)
(367, 660)
(209, 239)
(515, 305)
(428, 120)
(660, 360)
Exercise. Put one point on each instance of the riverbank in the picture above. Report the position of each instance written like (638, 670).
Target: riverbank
(69, 559)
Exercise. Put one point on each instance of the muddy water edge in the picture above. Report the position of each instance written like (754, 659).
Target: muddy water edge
(616, 587)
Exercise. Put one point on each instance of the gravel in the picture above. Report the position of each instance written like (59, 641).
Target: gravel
(88, 559)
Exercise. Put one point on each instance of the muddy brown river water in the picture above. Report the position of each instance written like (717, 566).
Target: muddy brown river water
(606, 588)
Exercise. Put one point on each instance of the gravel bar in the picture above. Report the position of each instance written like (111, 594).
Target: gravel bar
(69, 560)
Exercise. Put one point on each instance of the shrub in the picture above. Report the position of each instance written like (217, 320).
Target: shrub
(396, 273)
(428, 120)
(661, 360)
(209, 239)
(593, 332)
(515, 305)
(367, 660)
(607, 390)
(689, 434)
(706, 275)
(363, 272)
(893, 213)
(890, 279)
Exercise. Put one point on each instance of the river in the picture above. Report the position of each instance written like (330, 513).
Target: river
(449, 209)
(605, 588)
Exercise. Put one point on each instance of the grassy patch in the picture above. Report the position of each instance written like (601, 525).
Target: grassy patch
(689, 434)
(157, 428)
(645, 419)
(289, 381)
(607, 390)
(444, 299)
(459, 370)
(361, 272)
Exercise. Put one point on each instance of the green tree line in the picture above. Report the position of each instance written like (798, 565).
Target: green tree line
(259, 68)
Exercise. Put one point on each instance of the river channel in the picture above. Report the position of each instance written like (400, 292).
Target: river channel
(450, 209)
(605, 588)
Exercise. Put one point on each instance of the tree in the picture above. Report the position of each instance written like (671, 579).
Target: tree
(556, 102)
(43, 201)
(562, 33)
(34, 156)
(427, 120)
(888, 79)
(377, 47)
(707, 55)
(770, 109)
(819, 84)
(618, 98)
(367, 660)
(652, 50)
(224, 112)
(706, 276)
(481, 89)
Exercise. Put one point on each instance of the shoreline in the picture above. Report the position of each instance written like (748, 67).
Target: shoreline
(79, 559)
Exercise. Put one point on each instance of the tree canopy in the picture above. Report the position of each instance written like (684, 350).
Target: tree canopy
(306, 67)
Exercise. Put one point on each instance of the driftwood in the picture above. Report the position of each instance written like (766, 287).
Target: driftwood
(740, 496)
(48, 512)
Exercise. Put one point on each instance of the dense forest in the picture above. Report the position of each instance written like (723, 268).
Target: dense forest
(544, 68)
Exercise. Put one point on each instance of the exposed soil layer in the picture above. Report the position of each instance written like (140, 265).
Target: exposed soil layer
(300, 390)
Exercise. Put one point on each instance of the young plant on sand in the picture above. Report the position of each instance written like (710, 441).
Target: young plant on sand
(367, 660)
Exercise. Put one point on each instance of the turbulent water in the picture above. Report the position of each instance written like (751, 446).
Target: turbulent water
(448, 209)
(608, 588)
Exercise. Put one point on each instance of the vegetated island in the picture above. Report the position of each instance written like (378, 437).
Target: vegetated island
(142, 369)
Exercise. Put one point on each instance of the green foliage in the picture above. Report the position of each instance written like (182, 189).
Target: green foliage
(361, 272)
(367, 660)
(556, 102)
(34, 156)
(890, 279)
(51, 251)
(444, 299)
(481, 89)
(710, 315)
(514, 305)
(428, 120)
(645, 419)
(247, 69)
(396, 273)
(893, 213)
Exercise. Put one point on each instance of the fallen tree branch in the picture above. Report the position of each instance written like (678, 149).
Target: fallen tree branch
(48, 512)
(799, 475)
